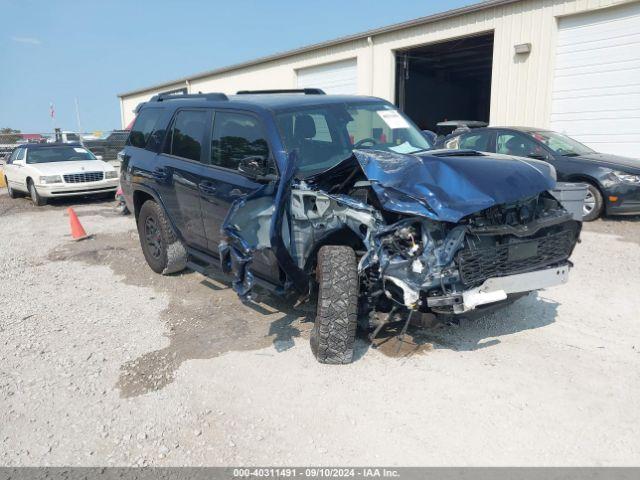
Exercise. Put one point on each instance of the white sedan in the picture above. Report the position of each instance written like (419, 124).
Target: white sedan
(45, 170)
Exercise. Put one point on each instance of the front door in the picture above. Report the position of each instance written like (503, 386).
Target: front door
(235, 136)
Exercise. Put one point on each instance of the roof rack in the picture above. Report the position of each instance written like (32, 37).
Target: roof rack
(306, 91)
(161, 97)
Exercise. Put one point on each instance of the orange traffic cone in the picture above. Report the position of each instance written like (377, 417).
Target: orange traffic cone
(77, 232)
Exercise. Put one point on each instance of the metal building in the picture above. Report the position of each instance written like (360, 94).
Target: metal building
(568, 65)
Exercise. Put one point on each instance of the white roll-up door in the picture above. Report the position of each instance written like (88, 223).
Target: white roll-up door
(338, 78)
(596, 92)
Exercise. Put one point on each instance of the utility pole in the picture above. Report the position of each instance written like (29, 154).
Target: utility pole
(78, 119)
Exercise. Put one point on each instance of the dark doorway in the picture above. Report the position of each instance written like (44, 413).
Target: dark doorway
(446, 81)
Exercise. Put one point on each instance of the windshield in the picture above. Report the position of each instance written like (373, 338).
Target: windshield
(58, 154)
(325, 136)
(561, 144)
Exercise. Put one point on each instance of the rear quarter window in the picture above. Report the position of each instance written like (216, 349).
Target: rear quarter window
(143, 127)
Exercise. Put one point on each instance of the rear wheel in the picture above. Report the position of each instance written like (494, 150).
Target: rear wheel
(162, 249)
(334, 331)
(593, 204)
(10, 190)
(37, 200)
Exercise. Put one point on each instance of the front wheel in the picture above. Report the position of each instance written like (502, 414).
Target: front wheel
(334, 330)
(593, 204)
(37, 200)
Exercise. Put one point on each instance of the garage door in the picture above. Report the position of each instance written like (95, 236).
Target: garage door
(596, 93)
(339, 78)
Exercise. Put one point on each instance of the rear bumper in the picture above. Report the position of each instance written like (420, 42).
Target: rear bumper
(78, 189)
(498, 289)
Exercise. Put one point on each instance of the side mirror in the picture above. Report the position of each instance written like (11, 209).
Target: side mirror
(99, 157)
(20, 163)
(255, 166)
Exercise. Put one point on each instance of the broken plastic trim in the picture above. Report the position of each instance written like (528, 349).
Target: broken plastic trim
(243, 234)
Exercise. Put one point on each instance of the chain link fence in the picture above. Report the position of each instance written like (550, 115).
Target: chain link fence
(106, 144)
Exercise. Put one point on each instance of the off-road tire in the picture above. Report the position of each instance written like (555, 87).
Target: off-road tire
(37, 200)
(162, 249)
(333, 334)
(11, 191)
(599, 203)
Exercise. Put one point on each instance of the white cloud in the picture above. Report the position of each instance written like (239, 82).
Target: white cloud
(27, 40)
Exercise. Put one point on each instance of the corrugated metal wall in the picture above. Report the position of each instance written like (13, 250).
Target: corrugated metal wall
(521, 86)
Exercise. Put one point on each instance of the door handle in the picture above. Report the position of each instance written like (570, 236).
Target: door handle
(160, 174)
(207, 188)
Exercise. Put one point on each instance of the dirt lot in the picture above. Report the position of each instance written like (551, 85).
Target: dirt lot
(102, 362)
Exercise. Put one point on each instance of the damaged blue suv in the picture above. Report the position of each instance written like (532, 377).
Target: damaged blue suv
(339, 199)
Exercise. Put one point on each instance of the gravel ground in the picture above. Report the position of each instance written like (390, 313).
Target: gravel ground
(102, 362)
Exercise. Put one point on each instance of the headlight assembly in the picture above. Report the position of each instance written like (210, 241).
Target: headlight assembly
(111, 174)
(626, 178)
(48, 179)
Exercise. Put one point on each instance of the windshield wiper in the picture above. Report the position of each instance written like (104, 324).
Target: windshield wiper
(571, 154)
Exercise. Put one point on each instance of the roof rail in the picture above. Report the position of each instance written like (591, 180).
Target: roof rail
(161, 97)
(306, 91)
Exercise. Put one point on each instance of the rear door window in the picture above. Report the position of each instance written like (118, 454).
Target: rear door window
(186, 136)
(511, 143)
(12, 157)
(143, 126)
(236, 136)
(480, 141)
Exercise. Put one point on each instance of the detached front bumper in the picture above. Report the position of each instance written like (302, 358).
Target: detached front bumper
(497, 289)
(77, 189)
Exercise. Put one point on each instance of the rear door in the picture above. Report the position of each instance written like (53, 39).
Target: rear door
(479, 140)
(518, 144)
(180, 169)
(16, 170)
(235, 137)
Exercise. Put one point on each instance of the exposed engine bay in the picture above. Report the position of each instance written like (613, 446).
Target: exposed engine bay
(423, 247)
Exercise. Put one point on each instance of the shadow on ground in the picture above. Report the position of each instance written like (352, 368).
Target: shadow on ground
(624, 227)
(12, 206)
(465, 334)
(205, 319)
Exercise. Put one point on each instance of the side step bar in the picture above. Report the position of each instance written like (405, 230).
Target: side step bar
(203, 263)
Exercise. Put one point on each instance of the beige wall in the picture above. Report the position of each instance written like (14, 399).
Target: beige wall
(521, 86)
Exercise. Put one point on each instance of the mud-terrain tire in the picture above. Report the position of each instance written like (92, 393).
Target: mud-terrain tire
(11, 191)
(593, 203)
(36, 199)
(162, 249)
(333, 334)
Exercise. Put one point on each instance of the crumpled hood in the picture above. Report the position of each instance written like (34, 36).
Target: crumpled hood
(447, 186)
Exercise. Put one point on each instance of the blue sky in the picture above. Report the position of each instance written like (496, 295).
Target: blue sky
(56, 51)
